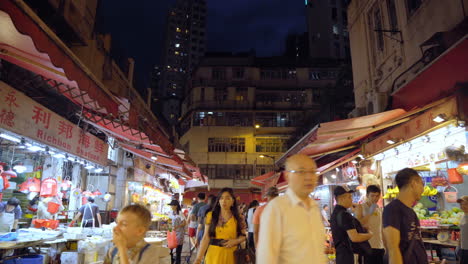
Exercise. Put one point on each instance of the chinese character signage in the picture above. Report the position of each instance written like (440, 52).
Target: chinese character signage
(23, 116)
(413, 128)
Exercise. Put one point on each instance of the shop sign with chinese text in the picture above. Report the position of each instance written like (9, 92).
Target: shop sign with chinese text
(413, 128)
(24, 116)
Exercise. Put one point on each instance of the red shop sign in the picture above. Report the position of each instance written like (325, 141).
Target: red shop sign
(413, 128)
(24, 116)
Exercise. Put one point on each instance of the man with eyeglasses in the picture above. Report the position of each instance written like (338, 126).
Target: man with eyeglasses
(291, 228)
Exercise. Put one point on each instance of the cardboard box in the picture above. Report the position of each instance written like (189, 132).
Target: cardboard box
(71, 257)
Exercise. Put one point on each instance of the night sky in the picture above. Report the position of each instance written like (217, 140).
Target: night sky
(237, 25)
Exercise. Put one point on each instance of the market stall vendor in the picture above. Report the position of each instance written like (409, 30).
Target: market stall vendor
(10, 213)
(90, 213)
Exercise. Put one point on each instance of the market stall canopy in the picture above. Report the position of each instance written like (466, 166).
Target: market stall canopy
(339, 135)
(338, 162)
(195, 184)
(26, 41)
(437, 80)
(260, 180)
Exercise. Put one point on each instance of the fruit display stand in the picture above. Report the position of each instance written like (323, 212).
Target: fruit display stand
(439, 229)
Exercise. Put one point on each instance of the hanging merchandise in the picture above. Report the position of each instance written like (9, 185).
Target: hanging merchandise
(451, 196)
(53, 206)
(30, 185)
(6, 183)
(76, 192)
(463, 168)
(49, 187)
(454, 176)
(107, 197)
(97, 192)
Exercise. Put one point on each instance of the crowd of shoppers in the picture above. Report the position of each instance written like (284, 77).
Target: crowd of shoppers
(291, 228)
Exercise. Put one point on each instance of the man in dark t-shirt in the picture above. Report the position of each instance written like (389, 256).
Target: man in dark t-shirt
(401, 225)
(343, 228)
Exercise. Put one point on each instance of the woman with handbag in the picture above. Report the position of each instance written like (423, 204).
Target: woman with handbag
(226, 230)
(178, 225)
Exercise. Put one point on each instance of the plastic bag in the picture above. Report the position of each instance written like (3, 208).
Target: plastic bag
(171, 239)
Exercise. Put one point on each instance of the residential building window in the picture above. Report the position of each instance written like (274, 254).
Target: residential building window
(413, 5)
(334, 14)
(337, 49)
(344, 17)
(238, 73)
(219, 74)
(229, 171)
(270, 144)
(226, 144)
(392, 15)
(241, 93)
(336, 31)
(278, 74)
(275, 119)
(221, 94)
(202, 94)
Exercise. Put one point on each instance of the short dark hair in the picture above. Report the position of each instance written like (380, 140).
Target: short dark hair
(254, 203)
(13, 201)
(211, 199)
(201, 196)
(373, 189)
(325, 206)
(91, 199)
(405, 176)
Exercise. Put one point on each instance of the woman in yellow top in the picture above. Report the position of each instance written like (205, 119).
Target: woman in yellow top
(225, 229)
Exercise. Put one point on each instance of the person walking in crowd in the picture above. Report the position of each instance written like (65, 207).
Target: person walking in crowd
(201, 198)
(370, 216)
(250, 213)
(325, 217)
(10, 213)
(344, 227)
(133, 222)
(463, 246)
(402, 232)
(192, 225)
(90, 213)
(178, 225)
(202, 217)
(271, 194)
(224, 230)
(291, 229)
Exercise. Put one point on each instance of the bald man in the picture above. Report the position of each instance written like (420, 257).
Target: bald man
(291, 229)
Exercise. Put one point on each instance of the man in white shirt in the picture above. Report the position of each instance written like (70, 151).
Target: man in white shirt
(291, 229)
(370, 216)
(253, 207)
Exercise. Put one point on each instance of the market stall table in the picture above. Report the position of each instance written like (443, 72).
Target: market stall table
(27, 238)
